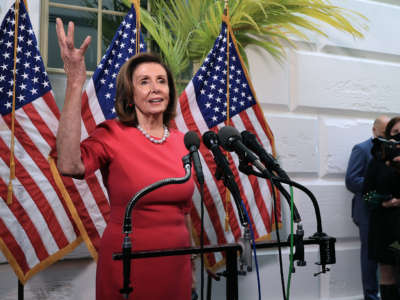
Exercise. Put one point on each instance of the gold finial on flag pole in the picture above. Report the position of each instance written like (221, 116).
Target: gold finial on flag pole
(12, 142)
(226, 8)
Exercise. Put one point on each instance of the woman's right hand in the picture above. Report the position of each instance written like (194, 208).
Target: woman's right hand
(69, 161)
(73, 58)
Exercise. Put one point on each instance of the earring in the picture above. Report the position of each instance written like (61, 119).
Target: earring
(129, 107)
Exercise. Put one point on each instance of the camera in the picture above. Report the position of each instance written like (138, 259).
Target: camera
(385, 150)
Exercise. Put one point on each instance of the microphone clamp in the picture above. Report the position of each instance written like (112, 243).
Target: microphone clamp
(246, 258)
(326, 251)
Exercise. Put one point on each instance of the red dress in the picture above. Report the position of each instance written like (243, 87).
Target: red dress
(130, 162)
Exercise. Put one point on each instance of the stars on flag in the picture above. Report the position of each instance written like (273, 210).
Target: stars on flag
(120, 50)
(210, 83)
(33, 81)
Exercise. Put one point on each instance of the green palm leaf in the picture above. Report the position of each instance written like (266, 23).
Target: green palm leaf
(185, 30)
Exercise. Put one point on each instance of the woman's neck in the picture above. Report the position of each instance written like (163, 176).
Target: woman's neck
(153, 126)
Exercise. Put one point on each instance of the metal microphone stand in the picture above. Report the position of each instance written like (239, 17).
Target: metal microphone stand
(231, 273)
(326, 243)
(245, 241)
(127, 225)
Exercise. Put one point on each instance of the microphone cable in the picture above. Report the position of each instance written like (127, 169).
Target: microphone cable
(201, 240)
(278, 239)
(231, 140)
(291, 244)
(212, 142)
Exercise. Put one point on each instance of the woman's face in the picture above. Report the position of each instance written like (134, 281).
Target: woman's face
(395, 129)
(150, 90)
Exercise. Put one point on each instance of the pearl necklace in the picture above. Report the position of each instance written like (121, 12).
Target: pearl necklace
(153, 140)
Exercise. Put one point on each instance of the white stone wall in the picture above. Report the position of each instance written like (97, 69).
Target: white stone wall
(319, 102)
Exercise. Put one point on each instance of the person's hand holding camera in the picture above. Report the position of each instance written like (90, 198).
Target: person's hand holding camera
(394, 202)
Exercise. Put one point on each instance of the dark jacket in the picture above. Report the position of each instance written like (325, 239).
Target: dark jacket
(356, 171)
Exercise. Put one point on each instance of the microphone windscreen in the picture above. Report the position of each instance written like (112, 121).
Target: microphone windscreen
(210, 138)
(227, 135)
(191, 139)
(247, 136)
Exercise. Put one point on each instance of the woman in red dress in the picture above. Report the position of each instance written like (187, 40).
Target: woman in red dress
(132, 152)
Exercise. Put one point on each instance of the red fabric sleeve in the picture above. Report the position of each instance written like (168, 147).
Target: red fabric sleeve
(94, 150)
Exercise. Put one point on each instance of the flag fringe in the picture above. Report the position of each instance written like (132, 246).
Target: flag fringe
(42, 265)
(72, 208)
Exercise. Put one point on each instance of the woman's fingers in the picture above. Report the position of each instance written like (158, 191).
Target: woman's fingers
(85, 44)
(60, 32)
(70, 35)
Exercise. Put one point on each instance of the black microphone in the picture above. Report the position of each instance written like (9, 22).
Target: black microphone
(231, 140)
(210, 140)
(250, 141)
(192, 143)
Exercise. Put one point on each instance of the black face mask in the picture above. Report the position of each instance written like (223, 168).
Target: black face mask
(396, 137)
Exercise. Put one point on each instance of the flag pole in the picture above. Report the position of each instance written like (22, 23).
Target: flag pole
(227, 194)
(136, 3)
(12, 146)
(12, 142)
(226, 15)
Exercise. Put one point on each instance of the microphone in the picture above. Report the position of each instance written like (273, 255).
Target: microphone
(231, 140)
(192, 143)
(250, 141)
(210, 140)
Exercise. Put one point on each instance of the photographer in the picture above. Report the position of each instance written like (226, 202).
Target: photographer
(356, 169)
(382, 193)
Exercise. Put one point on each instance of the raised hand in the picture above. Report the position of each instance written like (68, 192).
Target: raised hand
(69, 161)
(73, 58)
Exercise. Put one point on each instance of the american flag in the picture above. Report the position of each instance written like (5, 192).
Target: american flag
(36, 228)
(202, 107)
(98, 102)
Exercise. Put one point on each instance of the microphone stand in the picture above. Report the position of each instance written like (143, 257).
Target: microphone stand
(326, 243)
(127, 225)
(245, 241)
(245, 168)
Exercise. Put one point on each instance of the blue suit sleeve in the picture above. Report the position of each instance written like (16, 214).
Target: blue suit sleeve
(356, 170)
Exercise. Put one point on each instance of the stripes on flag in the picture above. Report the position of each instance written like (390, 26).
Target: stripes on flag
(36, 229)
(202, 107)
(98, 99)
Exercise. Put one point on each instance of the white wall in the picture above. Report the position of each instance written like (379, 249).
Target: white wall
(319, 103)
